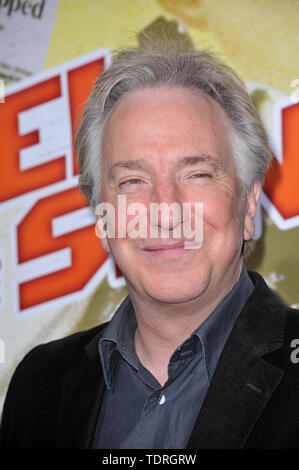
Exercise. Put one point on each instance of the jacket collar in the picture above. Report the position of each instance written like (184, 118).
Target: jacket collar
(243, 381)
(82, 394)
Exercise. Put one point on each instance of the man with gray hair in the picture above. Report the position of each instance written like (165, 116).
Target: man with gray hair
(199, 354)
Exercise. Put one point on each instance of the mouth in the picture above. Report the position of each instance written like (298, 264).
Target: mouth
(168, 249)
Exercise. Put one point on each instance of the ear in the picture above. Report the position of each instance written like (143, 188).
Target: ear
(251, 205)
(101, 234)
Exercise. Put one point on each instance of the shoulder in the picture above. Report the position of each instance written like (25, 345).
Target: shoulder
(270, 301)
(44, 368)
(60, 354)
(37, 385)
(275, 320)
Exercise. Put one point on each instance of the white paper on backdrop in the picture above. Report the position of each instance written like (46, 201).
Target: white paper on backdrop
(25, 31)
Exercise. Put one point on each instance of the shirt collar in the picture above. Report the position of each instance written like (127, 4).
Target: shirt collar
(215, 330)
(212, 333)
(118, 336)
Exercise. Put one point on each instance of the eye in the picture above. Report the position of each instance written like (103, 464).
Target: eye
(131, 185)
(131, 181)
(200, 175)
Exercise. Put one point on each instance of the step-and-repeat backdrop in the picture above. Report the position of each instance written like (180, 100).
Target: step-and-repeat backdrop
(54, 278)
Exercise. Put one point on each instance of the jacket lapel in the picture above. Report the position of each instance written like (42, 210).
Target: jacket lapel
(242, 385)
(83, 389)
(243, 381)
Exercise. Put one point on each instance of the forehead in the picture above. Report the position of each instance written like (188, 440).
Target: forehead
(158, 119)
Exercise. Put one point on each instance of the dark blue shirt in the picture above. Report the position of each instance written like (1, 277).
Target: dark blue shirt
(137, 412)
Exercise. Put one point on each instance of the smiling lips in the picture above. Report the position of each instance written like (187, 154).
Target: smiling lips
(167, 250)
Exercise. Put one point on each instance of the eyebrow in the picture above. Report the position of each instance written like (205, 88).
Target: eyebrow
(189, 160)
(193, 160)
(130, 164)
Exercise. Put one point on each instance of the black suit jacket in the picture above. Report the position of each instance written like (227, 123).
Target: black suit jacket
(55, 394)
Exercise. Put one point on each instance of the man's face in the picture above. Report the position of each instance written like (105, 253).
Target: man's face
(168, 144)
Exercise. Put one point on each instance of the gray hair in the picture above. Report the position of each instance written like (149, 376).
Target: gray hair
(164, 64)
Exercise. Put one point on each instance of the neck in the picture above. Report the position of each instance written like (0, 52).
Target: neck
(163, 327)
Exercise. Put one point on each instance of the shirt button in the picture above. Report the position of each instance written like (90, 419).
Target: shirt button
(161, 400)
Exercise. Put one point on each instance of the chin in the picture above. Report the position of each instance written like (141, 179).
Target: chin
(171, 299)
(172, 293)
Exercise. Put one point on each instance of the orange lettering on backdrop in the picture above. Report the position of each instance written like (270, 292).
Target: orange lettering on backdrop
(13, 181)
(281, 184)
(80, 84)
(35, 239)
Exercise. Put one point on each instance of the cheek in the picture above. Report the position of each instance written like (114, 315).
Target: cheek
(131, 216)
(220, 211)
(121, 252)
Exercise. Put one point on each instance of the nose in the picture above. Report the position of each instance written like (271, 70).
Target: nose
(166, 206)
